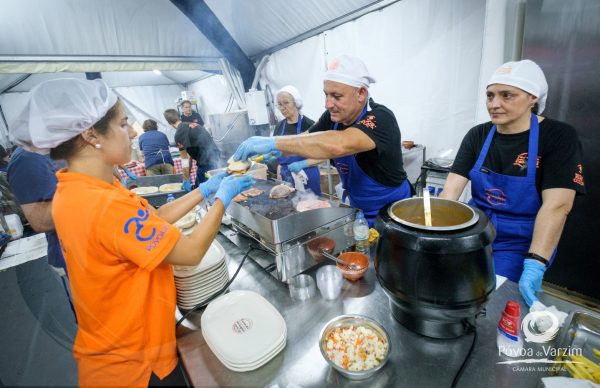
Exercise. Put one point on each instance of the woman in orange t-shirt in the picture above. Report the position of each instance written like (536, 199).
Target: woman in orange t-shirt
(118, 249)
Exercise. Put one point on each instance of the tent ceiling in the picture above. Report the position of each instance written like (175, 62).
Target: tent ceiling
(135, 36)
(259, 25)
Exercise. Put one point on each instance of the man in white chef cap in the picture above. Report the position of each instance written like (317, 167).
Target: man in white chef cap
(361, 136)
(525, 171)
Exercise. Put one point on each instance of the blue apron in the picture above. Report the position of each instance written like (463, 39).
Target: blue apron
(366, 193)
(511, 202)
(314, 177)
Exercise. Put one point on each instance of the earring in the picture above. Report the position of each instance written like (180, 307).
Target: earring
(98, 146)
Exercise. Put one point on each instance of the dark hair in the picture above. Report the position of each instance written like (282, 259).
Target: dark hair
(3, 153)
(185, 102)
(150, 125)
(172, 116)
(70, 147)
(535, 108)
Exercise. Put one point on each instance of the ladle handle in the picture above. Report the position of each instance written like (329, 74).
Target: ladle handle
(332, 257)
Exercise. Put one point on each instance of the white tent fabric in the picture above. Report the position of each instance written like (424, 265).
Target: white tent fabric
(426, 61)
(269, 23)
(108, 27)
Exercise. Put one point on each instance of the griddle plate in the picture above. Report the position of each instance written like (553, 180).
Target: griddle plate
(273, 209)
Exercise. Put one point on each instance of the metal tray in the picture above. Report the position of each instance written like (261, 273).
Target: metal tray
(277, 220)
(581, 332)
(159, 199)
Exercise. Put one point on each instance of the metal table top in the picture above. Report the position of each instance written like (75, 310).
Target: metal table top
(414, 361)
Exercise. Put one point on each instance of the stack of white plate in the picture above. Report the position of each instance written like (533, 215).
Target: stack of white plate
(195, 284)
(243, 330)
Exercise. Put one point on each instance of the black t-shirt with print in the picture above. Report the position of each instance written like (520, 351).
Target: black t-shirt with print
(559, 163)
(384, 162)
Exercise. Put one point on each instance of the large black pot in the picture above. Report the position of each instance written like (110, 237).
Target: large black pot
(437, 277)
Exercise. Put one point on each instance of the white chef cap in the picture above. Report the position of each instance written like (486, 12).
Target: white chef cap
(349, 70)
(294, 93)
(525, 75)
(60, 109)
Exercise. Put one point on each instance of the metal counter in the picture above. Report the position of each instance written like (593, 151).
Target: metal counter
(414, 360)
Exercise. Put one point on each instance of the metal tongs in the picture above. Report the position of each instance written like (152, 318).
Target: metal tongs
(351, 267)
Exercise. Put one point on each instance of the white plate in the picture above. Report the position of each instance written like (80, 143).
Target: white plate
(186, 222)
(145, 190)
(220, 267)
(200, 282)
(281, 344)
(214, 256)
(249, 367)
(242, 326)
(213, 286)
(169, 187)
(197, 289)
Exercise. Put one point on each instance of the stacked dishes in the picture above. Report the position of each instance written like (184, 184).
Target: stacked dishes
(195, 284)
(243, 330)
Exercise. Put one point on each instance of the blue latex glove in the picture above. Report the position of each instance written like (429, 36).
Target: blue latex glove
(211, 186)
(298, 166)
(271, 156)
(531, 280)
(254, 146)
(187, 185)
(232, 186)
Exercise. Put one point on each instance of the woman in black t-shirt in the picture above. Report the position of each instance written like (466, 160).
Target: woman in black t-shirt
(527, 197)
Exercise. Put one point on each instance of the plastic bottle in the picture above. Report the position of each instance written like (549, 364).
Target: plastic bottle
(508, 339)
(170, 198)
(361, 233)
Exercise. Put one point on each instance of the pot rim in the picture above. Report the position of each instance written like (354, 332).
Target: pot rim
(474, 216)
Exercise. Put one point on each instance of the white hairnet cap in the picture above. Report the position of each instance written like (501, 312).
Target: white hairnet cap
(349, 70)
(60, 109)
(294, 93)
(525, 75)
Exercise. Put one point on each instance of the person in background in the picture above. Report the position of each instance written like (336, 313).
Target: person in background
(32, 180)
(4, 156)
(361, 136)
(119, 250)
(188, 115)
(197, 142)
(155, 147)
(525, 170)
(289, 103)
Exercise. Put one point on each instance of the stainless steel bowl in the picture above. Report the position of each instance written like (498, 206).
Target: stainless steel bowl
(354, 320)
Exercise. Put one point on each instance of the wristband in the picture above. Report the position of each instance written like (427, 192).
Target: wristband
(531, 255)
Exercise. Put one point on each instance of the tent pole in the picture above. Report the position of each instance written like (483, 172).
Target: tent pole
(210, 26)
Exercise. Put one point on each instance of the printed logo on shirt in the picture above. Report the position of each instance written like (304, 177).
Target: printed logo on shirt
(139, 225)
(157, 239)
(495, 197)
(369, 122)
(342, 168)
(521, 161)
(578, 178)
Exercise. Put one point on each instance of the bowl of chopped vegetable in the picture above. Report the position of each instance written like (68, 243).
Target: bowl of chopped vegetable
(354, 345)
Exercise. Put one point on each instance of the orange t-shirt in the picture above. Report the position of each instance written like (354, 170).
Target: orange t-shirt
(124, 295)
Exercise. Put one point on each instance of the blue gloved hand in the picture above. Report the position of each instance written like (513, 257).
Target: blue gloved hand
(271, 156)
(131, 175)
(254, 146)
(232, 186)
(531, 280)
(211, 186)
(298, 166)
(187, 185)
